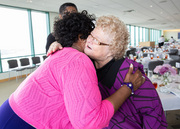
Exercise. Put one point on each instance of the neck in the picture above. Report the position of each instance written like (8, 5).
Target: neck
(100, 63)
(77, 47)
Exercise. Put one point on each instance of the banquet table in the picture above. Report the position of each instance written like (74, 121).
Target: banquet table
(145, 61)
(169, 100)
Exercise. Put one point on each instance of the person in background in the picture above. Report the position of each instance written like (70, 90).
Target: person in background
(161, 41)
(64, 9)
(106, 47)
(172, 40)
(63, 92)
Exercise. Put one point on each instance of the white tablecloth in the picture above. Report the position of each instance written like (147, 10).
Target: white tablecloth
(169, 100)
(145, 61)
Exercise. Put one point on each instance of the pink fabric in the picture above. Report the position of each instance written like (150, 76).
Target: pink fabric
(62, 93)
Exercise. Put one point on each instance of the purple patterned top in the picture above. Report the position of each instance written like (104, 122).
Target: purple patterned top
(143, 110)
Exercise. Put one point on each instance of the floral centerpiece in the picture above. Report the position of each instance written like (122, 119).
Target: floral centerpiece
(165, 70)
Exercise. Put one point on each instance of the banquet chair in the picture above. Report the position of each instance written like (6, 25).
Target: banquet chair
(26, 64)
(128, 52)
(13, 66)
(44, 57)
(145, 55)
(152, 65)
(144, 48)
(174, 57)
(36, 61)
(173, 52)
(174, 63)
(133, 49)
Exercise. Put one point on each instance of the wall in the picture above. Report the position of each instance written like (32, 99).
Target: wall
(169, 33)
(52, 17)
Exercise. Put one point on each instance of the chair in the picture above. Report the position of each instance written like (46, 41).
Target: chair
(36, 61)
(13, 66)
(144, 48)
(145, 55)
(173, 52)
(44, 57)
(152, 65)
(128, 52)
(133, 49)
(25, 64)
(174, 63)
(174, 57)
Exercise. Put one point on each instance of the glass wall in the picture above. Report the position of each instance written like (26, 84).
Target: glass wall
(23, 34)
(155, 34)
(39, 31)
(14, 33)
(141, 34)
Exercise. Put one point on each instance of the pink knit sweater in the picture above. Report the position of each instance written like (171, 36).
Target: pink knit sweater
(62, 93)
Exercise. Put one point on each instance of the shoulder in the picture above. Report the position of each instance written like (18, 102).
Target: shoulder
(72, 55)
(50, 36)
(126, 64)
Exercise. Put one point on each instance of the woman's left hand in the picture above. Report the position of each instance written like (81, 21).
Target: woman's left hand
(137, 79)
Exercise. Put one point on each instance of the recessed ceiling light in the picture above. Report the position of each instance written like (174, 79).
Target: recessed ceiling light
(151, 19)
(151, 6)
(129, 11)
(163, 1)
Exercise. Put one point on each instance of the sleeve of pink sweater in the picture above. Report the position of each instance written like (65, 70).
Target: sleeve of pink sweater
(82, 97)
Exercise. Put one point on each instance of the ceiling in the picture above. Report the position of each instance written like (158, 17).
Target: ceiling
(157, 14)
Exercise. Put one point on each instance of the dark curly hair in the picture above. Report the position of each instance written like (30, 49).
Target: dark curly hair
(67, 30)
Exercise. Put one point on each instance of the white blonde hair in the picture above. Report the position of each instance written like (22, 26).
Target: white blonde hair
(116, 29)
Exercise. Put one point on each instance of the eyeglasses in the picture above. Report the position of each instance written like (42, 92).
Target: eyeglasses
(97, 42)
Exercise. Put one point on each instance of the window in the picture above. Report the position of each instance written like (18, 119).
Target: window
(39, 31)
(23, 34)
(141, 38)
(132, 36)
(137, 35)
(144, 34)
(14, 33)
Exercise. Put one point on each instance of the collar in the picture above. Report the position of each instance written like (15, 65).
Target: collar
(107, 74)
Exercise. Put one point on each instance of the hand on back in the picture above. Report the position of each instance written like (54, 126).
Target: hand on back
(137, 79)
(55, 46)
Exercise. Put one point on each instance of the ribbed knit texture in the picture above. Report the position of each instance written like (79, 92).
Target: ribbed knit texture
(62, 94)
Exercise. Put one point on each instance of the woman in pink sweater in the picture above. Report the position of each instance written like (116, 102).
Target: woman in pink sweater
(63, 92)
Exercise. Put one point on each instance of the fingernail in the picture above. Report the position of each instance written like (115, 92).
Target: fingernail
(131, 65)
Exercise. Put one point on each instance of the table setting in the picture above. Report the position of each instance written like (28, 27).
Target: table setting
(167, 84)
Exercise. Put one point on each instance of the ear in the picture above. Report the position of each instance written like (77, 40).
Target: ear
(84, 40)
(60, 16)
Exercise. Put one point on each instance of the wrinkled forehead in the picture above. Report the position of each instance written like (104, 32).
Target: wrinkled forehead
(103, 34)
